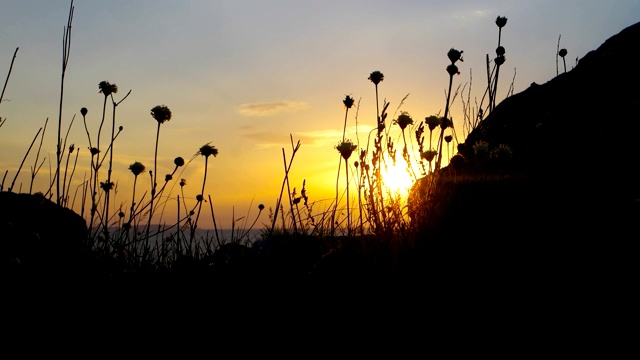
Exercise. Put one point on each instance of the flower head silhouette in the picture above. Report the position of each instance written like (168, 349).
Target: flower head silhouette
(137, 168)
(455, 55)
(432, 121)
(161, 113)
(453, 70)
(208, 150)
(428, 155)
(107, 88)
(562, 52)
(501, 21)
(348, 101)
(346, 148)
(404, 119)
(376, 77)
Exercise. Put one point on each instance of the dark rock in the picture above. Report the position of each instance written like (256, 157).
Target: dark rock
(38, 238)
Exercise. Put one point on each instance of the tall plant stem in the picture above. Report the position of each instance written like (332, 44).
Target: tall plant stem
(284, 181)
(346, 170)
(204, 181)
(6, 81)
(153, 180)
(446, 114)
(66, 47)
(23, 159)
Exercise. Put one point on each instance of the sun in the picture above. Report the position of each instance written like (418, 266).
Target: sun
(396, 178)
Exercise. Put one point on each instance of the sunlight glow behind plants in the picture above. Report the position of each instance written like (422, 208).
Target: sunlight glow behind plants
(396, 178)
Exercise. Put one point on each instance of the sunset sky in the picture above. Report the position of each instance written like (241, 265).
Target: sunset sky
(245, 75)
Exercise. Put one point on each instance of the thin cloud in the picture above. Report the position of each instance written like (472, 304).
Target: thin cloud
(264, 108)
(320, 138)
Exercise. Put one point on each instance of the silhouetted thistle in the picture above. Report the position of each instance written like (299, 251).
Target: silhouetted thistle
(452, 70)
(178, 161)
(161, 113)
(137, 168)
(208, 150)
(107, 186)
(501, 21)
(83, 111)
(346, 148)
(376, 77)
(348, 104)
(348, 101)
(107, 88)
(500, 50)
(205, 150)
(455, 55)
(563, 53)
(404, 120)
(448, 139)
(432, 123)
(429, 155)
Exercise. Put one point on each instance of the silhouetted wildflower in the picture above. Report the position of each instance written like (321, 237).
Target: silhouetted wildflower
(452, 70)
(448, 138)
(346, 148)
(178, 161)
(432, 121)
(199, 197)
(121, 214)
(161, 113)
(168, 177)
(445, 123)
(94, 151)
(501, 21)
(107, 88)
(428, 155)
(376, 77)
(137, 168)
(261, 207)
(455, 55)
(500, 60)
(562, 52)
(106, 186)
(84, 111)
(71, 148)
(500, 50)
(207, 150)
(404, 119)
(183, 182)
(348, 101)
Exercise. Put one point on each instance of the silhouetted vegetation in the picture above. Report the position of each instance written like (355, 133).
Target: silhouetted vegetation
(368, 230)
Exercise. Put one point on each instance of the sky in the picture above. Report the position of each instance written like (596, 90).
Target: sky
(253, 78)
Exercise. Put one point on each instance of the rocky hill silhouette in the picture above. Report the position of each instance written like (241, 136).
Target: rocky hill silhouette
(560, 216)
(573, 171)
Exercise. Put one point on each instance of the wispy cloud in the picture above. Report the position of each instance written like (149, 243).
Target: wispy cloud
(320, 138)
(270, 108)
